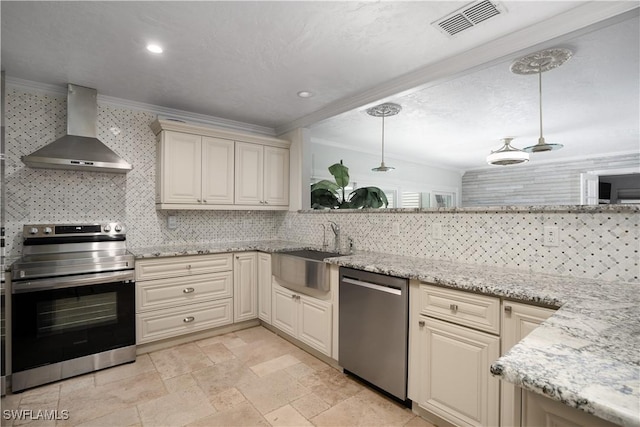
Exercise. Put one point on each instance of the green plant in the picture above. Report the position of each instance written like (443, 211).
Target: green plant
(328, 194)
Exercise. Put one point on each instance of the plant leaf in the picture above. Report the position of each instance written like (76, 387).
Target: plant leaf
(325, 184)
(323, 198)
(368, 197)
(341, 173)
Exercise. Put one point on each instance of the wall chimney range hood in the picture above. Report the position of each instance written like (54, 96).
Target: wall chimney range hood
(80, 149)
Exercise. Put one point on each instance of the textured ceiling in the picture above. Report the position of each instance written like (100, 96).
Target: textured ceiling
(591, 104)
(246, 61)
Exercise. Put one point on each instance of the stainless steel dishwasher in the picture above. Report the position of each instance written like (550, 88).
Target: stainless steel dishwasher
(374, 329)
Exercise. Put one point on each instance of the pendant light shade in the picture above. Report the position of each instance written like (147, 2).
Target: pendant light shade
(507, 155)
(538, 63)
(384, 110)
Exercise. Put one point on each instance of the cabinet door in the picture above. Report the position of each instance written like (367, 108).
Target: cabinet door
(181, 168)
(540, 411)
(284, 310)
(518, 320)
(455, 380)
(264, 287)
(217, 171)
(245, 287)
(276, 176)
(249, 174)
(314, 323)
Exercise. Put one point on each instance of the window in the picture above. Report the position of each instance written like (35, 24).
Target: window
(411, 199)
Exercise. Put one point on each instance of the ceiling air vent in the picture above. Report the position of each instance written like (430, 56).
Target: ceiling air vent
(468, 16)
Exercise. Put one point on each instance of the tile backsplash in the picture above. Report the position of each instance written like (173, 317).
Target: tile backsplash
(600, 245)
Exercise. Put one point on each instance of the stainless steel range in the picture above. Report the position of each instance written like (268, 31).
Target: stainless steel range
(73, 302)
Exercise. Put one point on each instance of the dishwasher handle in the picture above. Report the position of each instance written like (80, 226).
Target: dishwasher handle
(374, 286)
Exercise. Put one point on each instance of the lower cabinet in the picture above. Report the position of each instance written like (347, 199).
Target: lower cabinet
(451, 352)
(518, 320)
(303, 317)
(245, 286)
(264, 287)
(540, 411)
(180, 295)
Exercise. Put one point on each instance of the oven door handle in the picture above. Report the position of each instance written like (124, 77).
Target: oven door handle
(71, 281)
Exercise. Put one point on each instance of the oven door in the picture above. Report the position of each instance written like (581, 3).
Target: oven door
(54, 322)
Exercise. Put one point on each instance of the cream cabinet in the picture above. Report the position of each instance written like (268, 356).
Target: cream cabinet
(201, 168)
(264, 287)
(540, 411)
(245, 286)
(450, 354)
(303, 317)
(180, 295)
(518, 320)
(261, 175)
(195, 170)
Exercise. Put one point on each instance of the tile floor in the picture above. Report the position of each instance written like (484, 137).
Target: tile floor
(246, 378)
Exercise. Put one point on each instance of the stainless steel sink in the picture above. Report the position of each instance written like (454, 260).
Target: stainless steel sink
(303, 271)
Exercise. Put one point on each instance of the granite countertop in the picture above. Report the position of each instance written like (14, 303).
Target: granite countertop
(587, 355)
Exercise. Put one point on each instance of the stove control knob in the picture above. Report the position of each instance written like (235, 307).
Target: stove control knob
(118, 228)
(47, 230)
(33, 230)
(107, 228)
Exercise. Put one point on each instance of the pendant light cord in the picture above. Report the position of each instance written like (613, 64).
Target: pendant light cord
(540, 93)
(383, 138)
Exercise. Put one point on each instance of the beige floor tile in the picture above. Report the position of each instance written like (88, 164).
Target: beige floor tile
(257, 333)
(310, 405)
(222, 376)
(366, 408)
(274, 365)
(286, 416)
(180, 383)
(217, 352)
(76, 383)
(332, 386)
(38, 399)
(8, 403)
(127, 417)
(87, 404)
(418, 422)
(179, 360)
(272, 391)
(227, 399)
(176, 409)
(243, 414)
(257, 352)
(141, 365)
(300, 370)
(228, 340)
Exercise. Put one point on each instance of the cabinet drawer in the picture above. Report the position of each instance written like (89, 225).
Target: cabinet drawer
(164, 293)
(464, 308)
(162, 268)
(160, 324)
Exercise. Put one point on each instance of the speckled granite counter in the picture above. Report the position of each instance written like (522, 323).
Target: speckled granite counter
(587, 355)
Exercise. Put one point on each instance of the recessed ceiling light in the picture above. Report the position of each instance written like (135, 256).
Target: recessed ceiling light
(154, 48)
(305, 94)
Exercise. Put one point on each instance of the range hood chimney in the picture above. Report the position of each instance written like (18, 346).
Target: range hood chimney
(80, 149)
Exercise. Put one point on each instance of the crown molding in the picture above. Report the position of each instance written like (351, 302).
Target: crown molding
(161, 112)
(557, 29)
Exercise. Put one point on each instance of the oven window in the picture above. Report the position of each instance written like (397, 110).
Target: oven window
(78, 312)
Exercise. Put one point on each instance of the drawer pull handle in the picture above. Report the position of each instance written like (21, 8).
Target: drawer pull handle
(507, 309)
(188, 319)
(453, 307)
(188, 290)
(421, 323)
(189, 267)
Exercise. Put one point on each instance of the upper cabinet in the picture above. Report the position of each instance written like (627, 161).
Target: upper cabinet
(262, 175)
(200, 167)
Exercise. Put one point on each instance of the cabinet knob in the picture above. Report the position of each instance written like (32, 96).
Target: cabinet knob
(421, 323)
(198, 200)
(204, 200)
(188, 290)
(508, 309)
(189, 267)
(453, 307)
(188, 319)
(266, 203)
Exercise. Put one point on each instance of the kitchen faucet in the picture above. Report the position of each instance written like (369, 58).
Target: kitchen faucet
(336, 231)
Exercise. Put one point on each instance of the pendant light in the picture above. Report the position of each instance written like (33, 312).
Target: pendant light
(384, 110)
(538, 63)
(507, 155)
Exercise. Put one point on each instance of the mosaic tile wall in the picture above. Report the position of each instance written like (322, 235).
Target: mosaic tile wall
(52, 196)
(592, 245)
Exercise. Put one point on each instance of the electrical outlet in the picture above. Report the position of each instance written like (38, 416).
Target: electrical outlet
(172, 222)
(551, 236)
(436, 231)
(395, 229)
